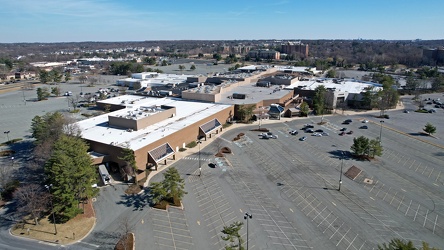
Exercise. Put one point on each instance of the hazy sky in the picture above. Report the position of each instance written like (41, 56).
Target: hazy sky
(139, 20)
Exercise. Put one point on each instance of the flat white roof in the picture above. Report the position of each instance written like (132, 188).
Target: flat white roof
(342, 85)
(187, 113)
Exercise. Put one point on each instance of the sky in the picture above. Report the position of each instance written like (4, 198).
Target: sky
(141, 20)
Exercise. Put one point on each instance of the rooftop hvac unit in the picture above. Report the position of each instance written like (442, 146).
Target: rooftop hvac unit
(239, 96)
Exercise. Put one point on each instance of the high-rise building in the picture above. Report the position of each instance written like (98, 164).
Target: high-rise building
(434, 55)
(295, 48)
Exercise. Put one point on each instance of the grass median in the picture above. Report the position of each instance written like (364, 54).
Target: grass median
(67, 233)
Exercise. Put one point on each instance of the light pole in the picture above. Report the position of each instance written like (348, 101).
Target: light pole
(200, 167)
(340, 175)
(7, 134)
(48, 187)
(247, 217)
(12, 161)
(380, 131)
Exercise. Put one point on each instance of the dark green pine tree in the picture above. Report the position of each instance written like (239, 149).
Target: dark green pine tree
(71, 174)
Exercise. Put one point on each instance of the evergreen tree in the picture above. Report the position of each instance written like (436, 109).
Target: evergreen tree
(429, 129)
(44, 76)
(319, 99)
(67, 76)
(42, 94)
(232, 235)
(398, 244)
(375, 148)
(304, 109)
(360, 145)
(71, 174)
(170, 189)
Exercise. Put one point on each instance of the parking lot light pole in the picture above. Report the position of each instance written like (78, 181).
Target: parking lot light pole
(340, 176)
(7, 134)
(380, 131)
(247, 217)
(48, 187)
(200, 167)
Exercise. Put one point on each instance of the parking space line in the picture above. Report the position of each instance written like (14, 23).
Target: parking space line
(351, 243)
(431, 172)
(393, 197)
(362, 245)
(336, 231)
(408, 208)
(325, 218)
(418, 166)
(400, 202)
(412, 163)
(424, 170)
(416, 212)
(425, 219)
(434, 225)
(343, 236)
(438, 176)
(386, 193)
(319, 213)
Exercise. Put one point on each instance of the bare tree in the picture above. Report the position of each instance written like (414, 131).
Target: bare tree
(83, 79)
(126, 228)
(92, 81)
(74, 101)
(32, 199)
(5, 176)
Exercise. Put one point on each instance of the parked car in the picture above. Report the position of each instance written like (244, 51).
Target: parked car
(325, 134)
(319, 130)
(294, 132)
(365, 121)
(342, 133)
(343, 129)
(303, 138)
(364, 127)
(309, 126)
(316, 134)
(345, 122)
(350, 132)
(406, 111)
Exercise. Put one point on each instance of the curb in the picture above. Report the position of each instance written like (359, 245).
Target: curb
(413, 137)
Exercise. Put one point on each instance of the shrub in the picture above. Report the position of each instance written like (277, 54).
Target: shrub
(226, 125)
(162, 205)
(7, 152)
(182, 149)
(225, 150)
(191, 144)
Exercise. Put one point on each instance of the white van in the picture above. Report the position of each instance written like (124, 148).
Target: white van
(106, 178)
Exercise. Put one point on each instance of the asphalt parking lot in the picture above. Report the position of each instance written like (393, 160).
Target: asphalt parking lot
(291, 189)
(289, 186)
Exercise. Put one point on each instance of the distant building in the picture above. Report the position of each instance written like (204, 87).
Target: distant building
(435, 56)
(265, 54)
(24, 75)
(295, 48)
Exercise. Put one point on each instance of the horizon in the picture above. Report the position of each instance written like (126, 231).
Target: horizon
(65, 21)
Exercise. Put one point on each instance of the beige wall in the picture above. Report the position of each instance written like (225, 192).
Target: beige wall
(136, 124)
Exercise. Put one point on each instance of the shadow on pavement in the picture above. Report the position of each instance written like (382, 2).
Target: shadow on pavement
(137, 201)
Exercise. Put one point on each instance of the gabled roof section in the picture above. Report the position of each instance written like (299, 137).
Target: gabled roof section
(210, 126)
(161, 152)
